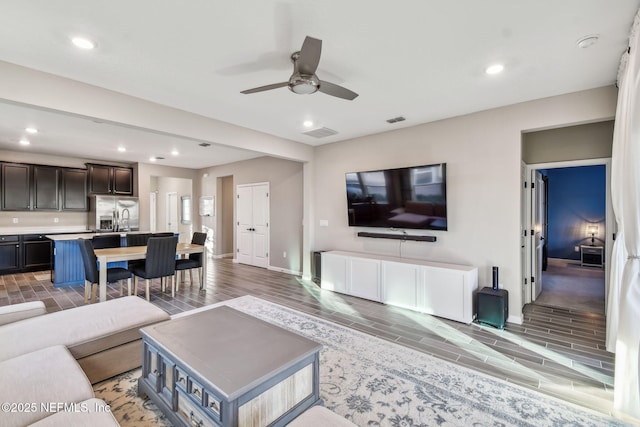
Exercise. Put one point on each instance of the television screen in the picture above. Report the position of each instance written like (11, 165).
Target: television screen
(413, 197)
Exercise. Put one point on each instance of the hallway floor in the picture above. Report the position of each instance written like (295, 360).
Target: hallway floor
(573, 287)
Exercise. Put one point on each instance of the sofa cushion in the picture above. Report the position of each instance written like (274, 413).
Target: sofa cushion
(89, 413)
(83, 330)
(33, 381)
(25, 310)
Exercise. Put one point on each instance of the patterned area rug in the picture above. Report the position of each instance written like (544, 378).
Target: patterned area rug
(376, 383)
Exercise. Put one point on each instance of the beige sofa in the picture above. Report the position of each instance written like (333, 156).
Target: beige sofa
(49, 361)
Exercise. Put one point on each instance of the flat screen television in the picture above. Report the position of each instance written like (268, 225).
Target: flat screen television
(413, 197)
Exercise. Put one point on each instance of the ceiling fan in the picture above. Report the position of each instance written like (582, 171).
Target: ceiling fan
(304, 79)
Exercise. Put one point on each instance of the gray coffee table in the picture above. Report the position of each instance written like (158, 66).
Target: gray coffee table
(221, 367)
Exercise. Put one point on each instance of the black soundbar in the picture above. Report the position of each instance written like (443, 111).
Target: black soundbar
(397, 236)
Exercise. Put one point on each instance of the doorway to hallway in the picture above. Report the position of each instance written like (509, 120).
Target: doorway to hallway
(569, 218)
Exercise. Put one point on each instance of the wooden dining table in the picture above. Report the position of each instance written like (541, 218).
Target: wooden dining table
(130, 253)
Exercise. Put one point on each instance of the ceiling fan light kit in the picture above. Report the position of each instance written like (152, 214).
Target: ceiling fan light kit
(304, 80)
(304, 84)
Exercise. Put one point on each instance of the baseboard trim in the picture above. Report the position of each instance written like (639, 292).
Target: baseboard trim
(515, 319)
(284, 270)
(220, 256)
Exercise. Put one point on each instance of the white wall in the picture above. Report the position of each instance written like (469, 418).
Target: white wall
(286, 205)
(483, 156)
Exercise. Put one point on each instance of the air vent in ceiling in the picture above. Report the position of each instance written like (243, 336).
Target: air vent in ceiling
(159, 158)
(204, 144)
(320, 132)
(396, 119)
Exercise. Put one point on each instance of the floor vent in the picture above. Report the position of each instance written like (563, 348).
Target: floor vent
(320, 132)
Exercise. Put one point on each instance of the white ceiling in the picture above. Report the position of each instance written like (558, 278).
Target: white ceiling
(421, 59)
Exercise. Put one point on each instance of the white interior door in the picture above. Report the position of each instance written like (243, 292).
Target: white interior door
(252, 229)
(153, 210)
(172, 212)
(244, 215)
(260, 227)
(539, 208)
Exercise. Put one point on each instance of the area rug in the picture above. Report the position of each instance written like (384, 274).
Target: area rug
(373, 382)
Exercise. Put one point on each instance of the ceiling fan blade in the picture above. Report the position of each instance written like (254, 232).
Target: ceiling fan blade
(335, 90)
(263, 88)
(309, 58)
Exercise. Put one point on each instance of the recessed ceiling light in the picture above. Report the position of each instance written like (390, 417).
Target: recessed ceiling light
(152, 159)
(122, 149)
(83, 43)
(174, 153)
(494, 69)
(24, 142)
(587, 41)
(307, 123)
(31, 130)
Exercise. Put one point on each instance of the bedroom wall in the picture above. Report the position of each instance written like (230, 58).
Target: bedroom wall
(576, 198)
(483, 156)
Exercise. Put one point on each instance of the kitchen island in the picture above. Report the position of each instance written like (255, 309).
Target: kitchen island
(68, 269)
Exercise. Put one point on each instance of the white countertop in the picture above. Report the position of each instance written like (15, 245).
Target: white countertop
(89, 235)
(42, 230)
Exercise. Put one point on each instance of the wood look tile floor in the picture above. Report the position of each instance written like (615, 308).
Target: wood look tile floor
(558, 352)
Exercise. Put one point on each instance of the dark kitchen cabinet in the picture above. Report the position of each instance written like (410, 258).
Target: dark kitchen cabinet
(36, 252)
(105, 179)
(16, 187)
(9, 254)
(123, 181)
(74, 190)
(45, 188)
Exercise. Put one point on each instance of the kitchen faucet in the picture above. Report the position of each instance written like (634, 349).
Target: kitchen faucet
(124, 219)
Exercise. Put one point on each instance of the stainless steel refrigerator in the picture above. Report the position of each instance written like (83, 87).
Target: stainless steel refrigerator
(114, 213)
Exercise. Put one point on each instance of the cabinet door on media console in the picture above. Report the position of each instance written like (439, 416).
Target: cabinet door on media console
(364, 278)
(334, 273)
(401, 284)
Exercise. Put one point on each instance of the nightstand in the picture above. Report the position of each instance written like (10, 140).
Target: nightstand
(591, 256)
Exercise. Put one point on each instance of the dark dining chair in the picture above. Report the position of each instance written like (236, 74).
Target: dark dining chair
(164, 234)
(106, 241)
(160, 262)
(92, 276)
(136, 239)
(194, 260)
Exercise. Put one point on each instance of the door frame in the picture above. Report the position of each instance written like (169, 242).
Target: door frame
(529, 247)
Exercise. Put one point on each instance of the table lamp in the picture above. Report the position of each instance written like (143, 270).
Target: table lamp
(592, 230)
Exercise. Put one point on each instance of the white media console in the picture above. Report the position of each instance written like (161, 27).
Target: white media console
(444, 290)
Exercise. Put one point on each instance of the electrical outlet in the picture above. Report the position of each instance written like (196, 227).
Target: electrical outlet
(15, 220)
(576, 248)
(284, 254)
(56, 220)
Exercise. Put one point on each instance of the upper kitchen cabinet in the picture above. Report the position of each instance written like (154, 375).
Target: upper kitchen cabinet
(74, 190)
(105, 179)
(43, 188)
(16, 187)
(29, 187)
